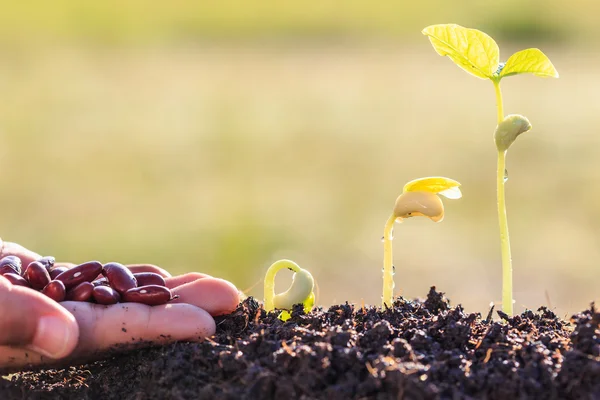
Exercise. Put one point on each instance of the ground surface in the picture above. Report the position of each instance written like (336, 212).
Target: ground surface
(417, 350)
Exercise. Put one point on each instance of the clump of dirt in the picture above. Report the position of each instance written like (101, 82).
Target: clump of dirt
(414, 350)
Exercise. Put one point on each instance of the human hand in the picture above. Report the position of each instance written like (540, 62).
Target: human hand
(35, 330)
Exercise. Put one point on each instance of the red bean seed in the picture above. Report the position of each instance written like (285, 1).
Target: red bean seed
(37, 275)
(152, 295)
(8, 269)
(47, 262)
(55, 290)
(149, 278)
(85, 272)
(100, 281)
(13, 262)
(81, 292)
(119, 276)
(56, 271)
(17, 280)
(105, 295)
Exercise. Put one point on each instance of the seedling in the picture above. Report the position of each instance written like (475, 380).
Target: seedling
(419, 198)
(301, 291)
(478, 54)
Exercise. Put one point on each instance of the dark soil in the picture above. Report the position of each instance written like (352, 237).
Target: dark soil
(416, 350)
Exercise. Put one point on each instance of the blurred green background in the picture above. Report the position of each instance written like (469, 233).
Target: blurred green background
(222, 136)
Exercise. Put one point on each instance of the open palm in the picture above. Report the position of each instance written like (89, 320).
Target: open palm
(35, 330)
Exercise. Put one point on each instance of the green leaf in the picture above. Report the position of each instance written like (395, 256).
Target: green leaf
(470, 49)
(530, 61)
(284, 315)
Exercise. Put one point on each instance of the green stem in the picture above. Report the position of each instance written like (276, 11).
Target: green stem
(270, 280)
(499, 105)
(507, 300)
(388, 269)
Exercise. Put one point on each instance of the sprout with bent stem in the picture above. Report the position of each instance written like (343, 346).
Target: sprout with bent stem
(301, 291)
(479, 55)
(419, 198)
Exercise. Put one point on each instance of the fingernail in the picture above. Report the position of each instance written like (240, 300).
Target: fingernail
(52, 337)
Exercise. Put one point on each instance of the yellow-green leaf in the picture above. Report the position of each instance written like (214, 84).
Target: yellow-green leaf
(470, 49)
(434, 184)
(284, 315)
(309, 303)
(530, 61)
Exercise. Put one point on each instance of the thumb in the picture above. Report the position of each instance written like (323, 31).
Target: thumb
(32, 320)
(14, 249)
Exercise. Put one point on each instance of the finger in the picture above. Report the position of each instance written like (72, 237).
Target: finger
(185, 278)
(13, 249)
(103, 327)
(35, 321)
(118, 328)
(217, 296)
(137, 268)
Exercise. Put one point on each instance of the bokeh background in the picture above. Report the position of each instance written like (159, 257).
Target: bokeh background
(222, 136)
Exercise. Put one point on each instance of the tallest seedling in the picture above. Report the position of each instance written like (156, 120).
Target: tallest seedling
(478, 54)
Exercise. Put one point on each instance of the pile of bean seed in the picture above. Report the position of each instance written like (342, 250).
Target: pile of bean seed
(91, 281)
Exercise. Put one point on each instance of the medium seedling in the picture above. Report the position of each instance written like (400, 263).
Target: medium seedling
(301, 291)
(419, 198)
(478, 54)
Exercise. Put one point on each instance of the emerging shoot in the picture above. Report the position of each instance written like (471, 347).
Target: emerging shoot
(479, 55)
(419, 199)
(301, 291)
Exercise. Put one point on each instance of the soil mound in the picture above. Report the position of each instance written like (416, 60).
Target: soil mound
(418, 349)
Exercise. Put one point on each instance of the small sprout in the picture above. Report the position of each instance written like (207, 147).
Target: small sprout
(301, 291)
(419, 198)
(479, 55)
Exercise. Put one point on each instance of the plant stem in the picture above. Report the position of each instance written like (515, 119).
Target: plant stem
(269, 292)
(499, 105)
(388, 269)
(507, 300)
